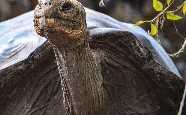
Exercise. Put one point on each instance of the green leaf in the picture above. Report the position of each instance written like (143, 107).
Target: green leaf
(139, 23)
(173, 17)
(154, 29)
(157, 5)
(168, 2)
(184, 8)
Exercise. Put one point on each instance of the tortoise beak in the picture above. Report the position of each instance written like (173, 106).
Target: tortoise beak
(50, 22)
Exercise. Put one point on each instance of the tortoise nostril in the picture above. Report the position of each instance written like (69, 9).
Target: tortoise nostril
(48, 3)
(55, 14)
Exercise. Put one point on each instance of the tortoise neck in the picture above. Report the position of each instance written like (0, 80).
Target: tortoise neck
(81, 80)
(69, 42)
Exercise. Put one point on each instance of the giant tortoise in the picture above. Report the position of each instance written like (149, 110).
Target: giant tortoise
(105, 67)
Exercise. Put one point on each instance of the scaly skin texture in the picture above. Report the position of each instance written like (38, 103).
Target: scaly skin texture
(64, 19)
(125, 79)
(64, 24)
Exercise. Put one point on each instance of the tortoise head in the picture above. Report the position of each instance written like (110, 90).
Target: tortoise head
(63, 21)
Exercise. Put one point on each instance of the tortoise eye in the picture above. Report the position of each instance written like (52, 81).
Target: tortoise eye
(66, 6)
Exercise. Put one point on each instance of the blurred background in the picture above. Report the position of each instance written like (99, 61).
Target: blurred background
(124, 10)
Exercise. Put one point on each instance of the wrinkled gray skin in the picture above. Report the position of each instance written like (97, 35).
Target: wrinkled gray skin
(82, 62)
(64, 24)
(109, 71)
(20, 32)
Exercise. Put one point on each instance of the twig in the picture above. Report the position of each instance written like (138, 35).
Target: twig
(161, 13)
(178, 8)
(182, 102)
(180, 51)
(183, 47)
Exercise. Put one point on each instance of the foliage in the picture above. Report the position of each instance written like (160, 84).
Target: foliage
(157, 5)
(165, 13)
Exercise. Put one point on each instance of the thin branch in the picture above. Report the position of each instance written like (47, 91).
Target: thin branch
(178, 8)
(162, 12)
(182, 102)
(180, 51)
(183, 47)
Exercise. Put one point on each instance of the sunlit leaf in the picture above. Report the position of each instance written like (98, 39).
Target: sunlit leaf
(184, 8)
(171, 16)
(157, 5)
(169, 1)
(154, 29)
(140, 23)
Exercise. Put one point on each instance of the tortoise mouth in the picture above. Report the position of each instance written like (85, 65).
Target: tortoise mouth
(56, 23)
(49, 24)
